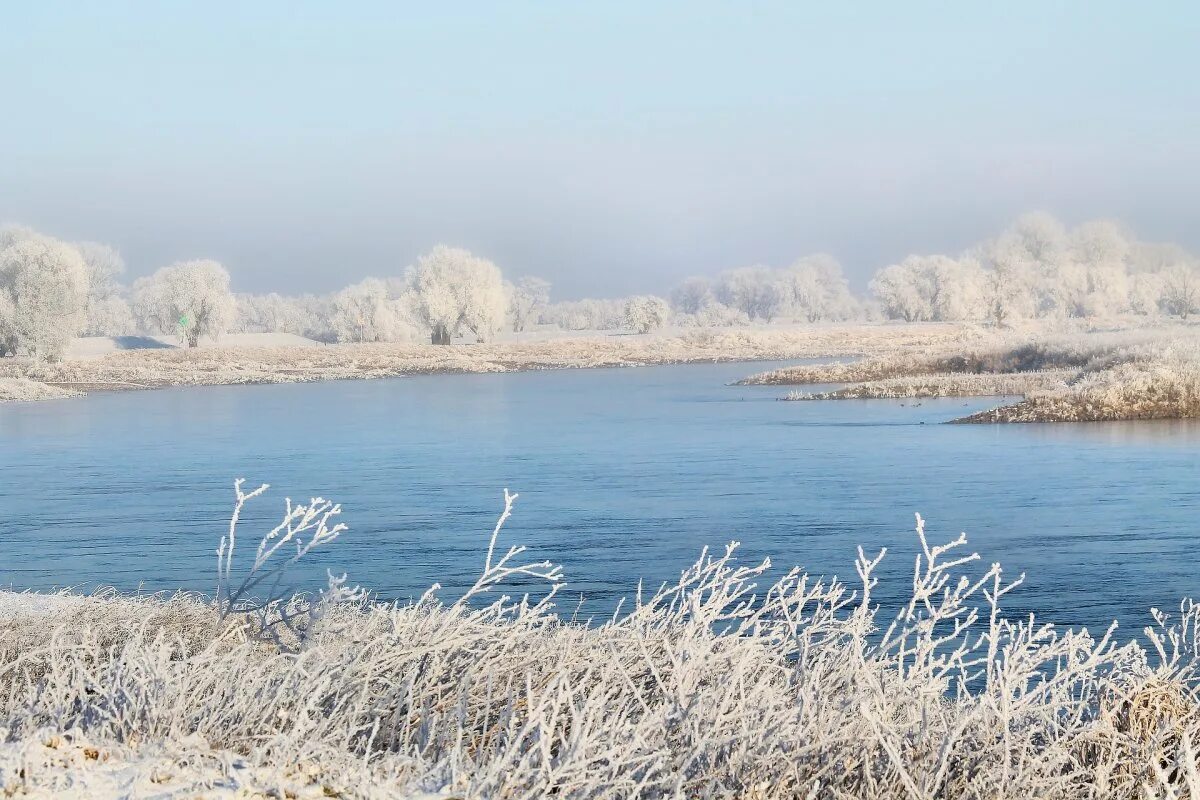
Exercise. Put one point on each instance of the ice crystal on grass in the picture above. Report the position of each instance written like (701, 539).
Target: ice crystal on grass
(724, 683)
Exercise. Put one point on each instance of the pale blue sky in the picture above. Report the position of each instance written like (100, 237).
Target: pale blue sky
(610, 147)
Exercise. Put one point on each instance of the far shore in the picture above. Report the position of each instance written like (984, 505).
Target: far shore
(94, 365)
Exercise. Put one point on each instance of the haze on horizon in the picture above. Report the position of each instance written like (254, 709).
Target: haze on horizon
(609, 148)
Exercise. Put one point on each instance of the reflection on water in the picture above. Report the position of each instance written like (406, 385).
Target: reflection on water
(623, 474)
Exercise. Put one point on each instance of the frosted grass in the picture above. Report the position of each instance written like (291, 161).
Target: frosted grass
(728, 682)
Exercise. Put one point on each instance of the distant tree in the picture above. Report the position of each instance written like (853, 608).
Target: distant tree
(1145, 292)
(1007, 293)
(758, 292)
(585, 315)
(108, 313)
(11, 233)
(691, 296)
(8, 325)
(1181, 291)
(526, 299)
(455, 289)
(363, 312)
(936, 288)
(1040, 237)
(646, 313)
(44, 285)
(1093, 279)
(374, 311)
(817, 289)
(190, 298)
(109, 316)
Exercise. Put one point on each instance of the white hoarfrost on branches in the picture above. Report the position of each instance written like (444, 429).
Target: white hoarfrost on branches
(44, 284)
(526, 301)
(585, 315)
(729, 681)
(367, 312)
(812, 289)
(757, 292)
(1038, 268)
(646, 313)
(189, 298)
(818, 290)
(1179, 290)
(930, 288)
(108, 314)
(454, 289)
(692, 296)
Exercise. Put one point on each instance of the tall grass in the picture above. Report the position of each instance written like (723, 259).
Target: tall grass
(724, 683)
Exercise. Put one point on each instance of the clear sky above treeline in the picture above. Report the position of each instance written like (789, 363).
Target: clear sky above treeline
(608, 147)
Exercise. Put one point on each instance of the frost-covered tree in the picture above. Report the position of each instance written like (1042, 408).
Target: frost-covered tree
(189, 298)
(693, 295)
(585, 315)
(109, 316)
(646, 313)
(368, 312)
(526, 299)
(817, 289)
(1093, 280)
(1145, 291)
(930, 288)
(44, 285)
(8, 325)
(11, 233)
(1181, 290)
(1007, 292)
(1155, 257)
(758, 292)
(266, 313)
(899, 293)
(1039, 237)
(454, 289)
(108, 313)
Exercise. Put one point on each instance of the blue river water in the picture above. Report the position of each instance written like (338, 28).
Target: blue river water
(622, 474)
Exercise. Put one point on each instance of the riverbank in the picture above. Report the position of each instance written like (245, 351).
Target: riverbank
(137, 369)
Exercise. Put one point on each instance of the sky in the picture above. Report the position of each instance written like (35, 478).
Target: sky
(610, 148)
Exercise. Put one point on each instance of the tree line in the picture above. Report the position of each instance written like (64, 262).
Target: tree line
(52, 291)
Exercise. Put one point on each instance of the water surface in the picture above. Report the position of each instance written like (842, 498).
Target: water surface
(623, 473)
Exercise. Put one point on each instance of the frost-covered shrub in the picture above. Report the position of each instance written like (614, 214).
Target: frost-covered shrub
(646, 313)
(728, 682)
